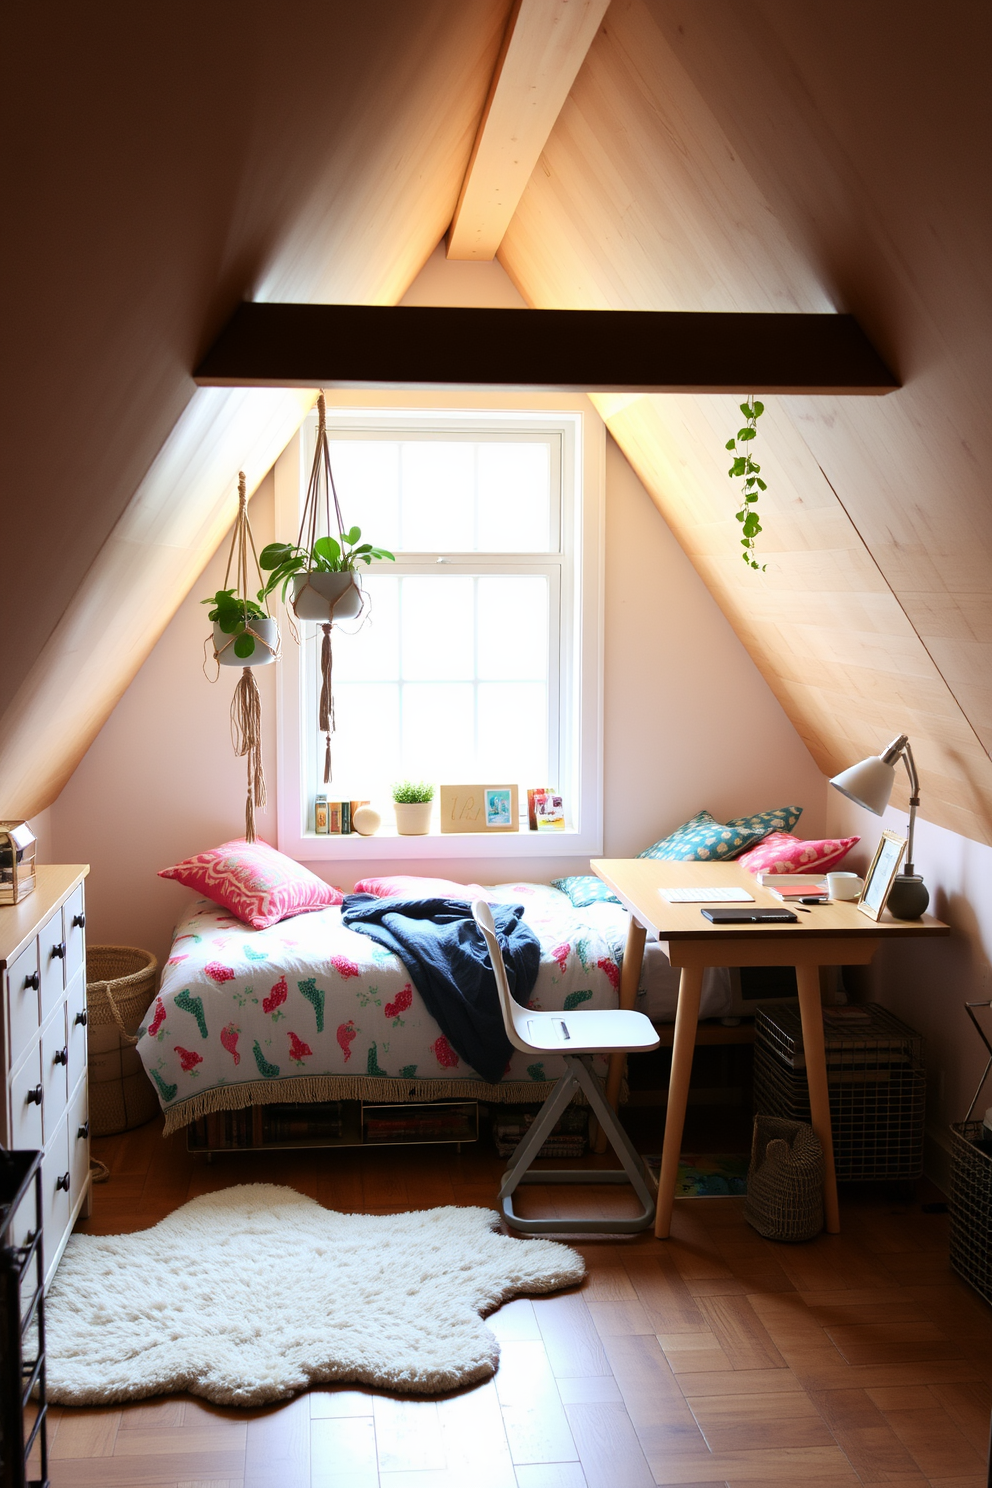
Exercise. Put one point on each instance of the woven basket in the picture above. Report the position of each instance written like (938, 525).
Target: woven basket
(120, 985)
(785, 1180)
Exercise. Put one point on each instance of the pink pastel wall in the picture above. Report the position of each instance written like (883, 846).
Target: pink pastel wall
(928, 983)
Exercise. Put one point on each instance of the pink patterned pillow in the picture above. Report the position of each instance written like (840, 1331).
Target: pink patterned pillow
(408, 886)
(253, 881)
(781, 852)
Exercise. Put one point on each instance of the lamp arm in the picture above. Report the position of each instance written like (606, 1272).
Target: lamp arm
(914, 800)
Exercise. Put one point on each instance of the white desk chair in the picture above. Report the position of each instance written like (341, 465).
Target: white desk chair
(576, 1036)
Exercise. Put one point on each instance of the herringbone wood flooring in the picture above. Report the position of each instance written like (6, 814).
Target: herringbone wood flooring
(715, 1358)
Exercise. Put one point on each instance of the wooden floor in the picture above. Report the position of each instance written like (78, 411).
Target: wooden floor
(715, 1358)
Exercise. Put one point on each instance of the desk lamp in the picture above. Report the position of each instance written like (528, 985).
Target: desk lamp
(869, 784)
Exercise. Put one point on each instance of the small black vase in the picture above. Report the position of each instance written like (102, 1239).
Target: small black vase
(908, 897)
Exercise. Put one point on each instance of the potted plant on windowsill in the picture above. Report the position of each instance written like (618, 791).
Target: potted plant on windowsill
(413, 802)
(244, 635)
(323, 576)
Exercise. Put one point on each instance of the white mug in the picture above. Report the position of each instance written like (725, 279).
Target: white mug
(844, 885)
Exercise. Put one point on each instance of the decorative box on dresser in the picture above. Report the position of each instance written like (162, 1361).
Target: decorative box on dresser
(43, 1032)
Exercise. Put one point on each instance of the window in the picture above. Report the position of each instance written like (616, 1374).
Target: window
(482, 642)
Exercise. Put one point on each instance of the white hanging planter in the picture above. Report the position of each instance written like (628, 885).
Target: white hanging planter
(327, 596)
(413, 818)
(266, 632)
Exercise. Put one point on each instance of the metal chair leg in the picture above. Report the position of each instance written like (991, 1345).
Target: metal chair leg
(578, 1072)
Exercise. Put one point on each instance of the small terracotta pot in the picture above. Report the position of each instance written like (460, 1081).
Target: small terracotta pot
(326, 596)
(413, 818)
(267, 635)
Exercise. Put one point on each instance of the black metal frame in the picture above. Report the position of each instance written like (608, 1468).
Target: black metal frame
(19, 1377)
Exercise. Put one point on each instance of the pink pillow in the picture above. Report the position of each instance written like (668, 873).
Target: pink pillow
(781, 852)
(253, 881)
(407, 886)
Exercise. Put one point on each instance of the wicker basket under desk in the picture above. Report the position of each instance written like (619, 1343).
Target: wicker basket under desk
(971, 1207)
(876, 1081)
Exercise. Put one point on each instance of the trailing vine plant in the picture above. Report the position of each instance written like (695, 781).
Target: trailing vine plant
(748, 469)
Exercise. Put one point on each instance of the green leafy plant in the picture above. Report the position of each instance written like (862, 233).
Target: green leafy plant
(744, 467)
(282, 560)
(411, 792)
(234, 615)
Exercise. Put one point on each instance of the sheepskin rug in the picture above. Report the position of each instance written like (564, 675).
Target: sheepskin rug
(252, 1293)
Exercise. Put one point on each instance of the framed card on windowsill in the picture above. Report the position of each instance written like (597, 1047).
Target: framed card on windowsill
(550, 813)
(480, 808)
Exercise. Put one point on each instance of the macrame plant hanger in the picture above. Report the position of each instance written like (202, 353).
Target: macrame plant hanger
(246, 704)
(321, 474)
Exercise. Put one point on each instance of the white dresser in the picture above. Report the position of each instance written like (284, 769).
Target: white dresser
(43, 1056)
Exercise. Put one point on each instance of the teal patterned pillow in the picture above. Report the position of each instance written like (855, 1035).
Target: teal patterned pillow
(782, 819)
(585, 889)
(703, 840)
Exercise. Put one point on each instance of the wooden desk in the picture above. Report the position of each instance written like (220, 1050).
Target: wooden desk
(835, 934)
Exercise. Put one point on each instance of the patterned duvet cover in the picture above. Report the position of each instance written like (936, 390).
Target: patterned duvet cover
(311, 1011)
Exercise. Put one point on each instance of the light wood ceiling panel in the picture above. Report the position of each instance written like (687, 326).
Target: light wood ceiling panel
(545, 45)
(163, 171)
(721, 157)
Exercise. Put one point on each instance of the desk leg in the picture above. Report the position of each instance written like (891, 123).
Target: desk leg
(686, 1021)
(811, 1010)
(630, 980)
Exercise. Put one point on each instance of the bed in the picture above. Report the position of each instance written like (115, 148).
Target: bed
(308, 1010)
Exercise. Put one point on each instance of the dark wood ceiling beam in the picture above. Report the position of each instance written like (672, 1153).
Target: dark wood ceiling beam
(639, 351)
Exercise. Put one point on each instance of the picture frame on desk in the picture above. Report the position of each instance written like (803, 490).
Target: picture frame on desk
(878, 879)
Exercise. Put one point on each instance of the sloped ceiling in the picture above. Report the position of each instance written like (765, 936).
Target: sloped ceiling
(163, 164)
(756, 155)
(769, 155)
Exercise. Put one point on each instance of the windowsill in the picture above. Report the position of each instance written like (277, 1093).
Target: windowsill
(434, 846)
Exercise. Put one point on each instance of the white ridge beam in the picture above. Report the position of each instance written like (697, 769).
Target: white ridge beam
(545, 45)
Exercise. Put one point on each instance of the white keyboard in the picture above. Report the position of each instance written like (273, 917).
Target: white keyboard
(707, 896)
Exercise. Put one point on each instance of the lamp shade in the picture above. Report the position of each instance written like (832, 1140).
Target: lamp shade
(867, 784)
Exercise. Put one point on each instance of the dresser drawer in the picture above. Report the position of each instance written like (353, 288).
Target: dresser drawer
(25, 1114)
(74, 934)
(79, 1143)
(56, 1181)
(23, 1001)
(54, 1070)
(75, 1021)
(51, 953)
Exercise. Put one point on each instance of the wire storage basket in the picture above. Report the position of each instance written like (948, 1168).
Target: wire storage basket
(971, 1205)
(875, 1078)
(120, 985)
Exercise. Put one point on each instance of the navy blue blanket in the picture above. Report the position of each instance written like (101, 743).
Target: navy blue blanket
(442, 948)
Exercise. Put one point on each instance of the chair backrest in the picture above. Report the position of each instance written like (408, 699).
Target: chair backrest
(511, 1010)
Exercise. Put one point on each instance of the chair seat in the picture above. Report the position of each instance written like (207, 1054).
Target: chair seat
(596, 1031)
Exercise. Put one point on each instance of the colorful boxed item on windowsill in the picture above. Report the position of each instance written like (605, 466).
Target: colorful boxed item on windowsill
(550, 814)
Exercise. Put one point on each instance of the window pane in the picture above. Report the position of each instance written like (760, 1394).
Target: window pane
(438, 731)
(513, 627)
(366, 474)
(437, 497)
(373, 653)
(366, 743)
(514, 498)
(513, 733)
(437, 627)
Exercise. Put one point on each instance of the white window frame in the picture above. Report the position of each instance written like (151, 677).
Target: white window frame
(581, 654)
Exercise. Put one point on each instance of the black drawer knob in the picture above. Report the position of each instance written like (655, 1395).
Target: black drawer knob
(35, 1096)
(33, 981)
(83, 1131)
(79, 921)
(59, 950)
(82, 1018)
(62, 1183)
(62, 1055)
